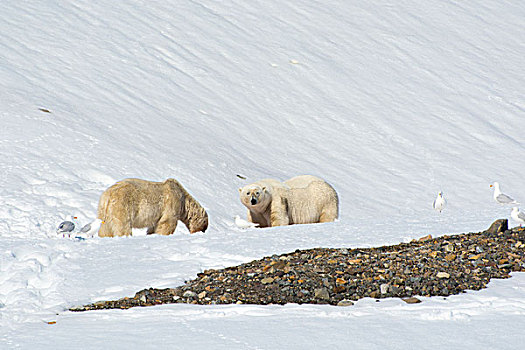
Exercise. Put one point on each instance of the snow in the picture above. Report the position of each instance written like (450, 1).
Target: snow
(389, 102)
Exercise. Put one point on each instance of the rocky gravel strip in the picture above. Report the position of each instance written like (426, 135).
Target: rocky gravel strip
(426, 267)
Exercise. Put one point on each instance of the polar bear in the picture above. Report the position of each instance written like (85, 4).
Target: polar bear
(303, 199)
(136, 203)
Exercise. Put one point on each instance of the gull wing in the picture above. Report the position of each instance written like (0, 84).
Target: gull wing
(503, 198)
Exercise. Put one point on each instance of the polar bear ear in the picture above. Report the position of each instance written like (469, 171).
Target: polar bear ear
(263, 189)
(240, 189)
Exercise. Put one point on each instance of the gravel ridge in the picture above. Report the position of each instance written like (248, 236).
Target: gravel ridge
(429, 266)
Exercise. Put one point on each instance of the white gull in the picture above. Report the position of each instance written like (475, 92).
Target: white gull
(440, 202)
(501, 198)
(241, 223)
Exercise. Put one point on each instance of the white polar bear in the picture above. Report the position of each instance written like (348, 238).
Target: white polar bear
(136, 203)
(304, 199)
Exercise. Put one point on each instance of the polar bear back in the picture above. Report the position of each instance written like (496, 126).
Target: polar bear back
(137, 199)
(302, 181)
(272, 183)
(310, 197)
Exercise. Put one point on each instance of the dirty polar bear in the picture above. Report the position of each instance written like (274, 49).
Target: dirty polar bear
(303, 199)
(136, 203)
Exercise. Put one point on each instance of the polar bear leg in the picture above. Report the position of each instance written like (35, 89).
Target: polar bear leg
(249, 216)
(278, 215)
(113, 228)
(258, 218)
(166, 226)
(105, 230)
(328, 214)
(121, 228)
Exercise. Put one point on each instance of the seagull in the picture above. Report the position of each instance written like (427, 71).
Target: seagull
(243, 223)
(439, 202)
(91, 229)
(66, 227)
(500, 197)
(517, 216)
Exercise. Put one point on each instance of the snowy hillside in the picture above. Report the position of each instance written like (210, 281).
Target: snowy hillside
(390, 102)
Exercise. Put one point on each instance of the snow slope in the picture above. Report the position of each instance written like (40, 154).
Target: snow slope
(390, 102)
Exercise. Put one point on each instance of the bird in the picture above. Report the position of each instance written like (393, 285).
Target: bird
(440, 202)
(517, 215)
(91, 229)
(501, 198)
(241, 223)
(67, 226)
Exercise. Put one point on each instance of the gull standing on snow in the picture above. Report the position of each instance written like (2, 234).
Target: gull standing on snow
(517, 216)
(91, 229)
(241, 223)
(439, 202)
(66, 227)
(501, 198)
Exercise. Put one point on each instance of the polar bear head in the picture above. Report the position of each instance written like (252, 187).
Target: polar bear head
(198, 223)
(255, 196)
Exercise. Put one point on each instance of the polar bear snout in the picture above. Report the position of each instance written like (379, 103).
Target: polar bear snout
(199, 224)
(252, 196)
(256, 196)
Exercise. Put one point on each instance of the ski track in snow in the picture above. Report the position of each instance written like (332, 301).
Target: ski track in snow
(389, 102)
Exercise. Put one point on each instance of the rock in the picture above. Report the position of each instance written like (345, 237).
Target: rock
(449, 248)
(345, 302)
(189, 294)
(450, 257)
(384, 288)
(500, 225)
(202, 295)
(443, 275)
(78, 308)
(411, 300)
(339, 289)
(267, 280)
(375, 294)
(143, 299)
(425, 238)
(322, 293)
